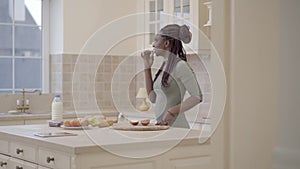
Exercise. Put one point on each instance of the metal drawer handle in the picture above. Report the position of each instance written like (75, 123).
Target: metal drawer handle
(3, 163)
(49, 159)
(19, 167)
(19, 151)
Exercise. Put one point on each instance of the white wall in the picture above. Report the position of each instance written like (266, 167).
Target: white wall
(219, 38)
(74, 21)
(253, 83)
(287, 152)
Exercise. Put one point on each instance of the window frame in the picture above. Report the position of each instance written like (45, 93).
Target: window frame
(192, 47)
(46, 47)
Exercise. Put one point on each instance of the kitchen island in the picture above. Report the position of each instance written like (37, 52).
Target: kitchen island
(43, 117)
(104, 148)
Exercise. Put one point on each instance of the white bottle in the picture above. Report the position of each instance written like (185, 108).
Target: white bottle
(57, 109)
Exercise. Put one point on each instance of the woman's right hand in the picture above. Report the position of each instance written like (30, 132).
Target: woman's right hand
(148, 57)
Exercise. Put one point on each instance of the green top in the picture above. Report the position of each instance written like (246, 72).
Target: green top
(182, 79)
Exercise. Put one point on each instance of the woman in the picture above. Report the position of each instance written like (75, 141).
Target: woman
(173, 79)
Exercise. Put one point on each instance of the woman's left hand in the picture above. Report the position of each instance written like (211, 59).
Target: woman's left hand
(169, 118)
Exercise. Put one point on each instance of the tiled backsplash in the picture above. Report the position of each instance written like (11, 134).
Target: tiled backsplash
(38, 103)
(109, 82)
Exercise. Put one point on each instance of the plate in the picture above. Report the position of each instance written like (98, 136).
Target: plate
(139, 127)
(76, 128)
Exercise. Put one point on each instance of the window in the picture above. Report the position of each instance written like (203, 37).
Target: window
(23, 50)
(163, 12)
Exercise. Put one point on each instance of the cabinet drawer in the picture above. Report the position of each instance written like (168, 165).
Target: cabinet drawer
(23, 151)
(3, 161)
(53, 159)
(4, 146)
(20, 164)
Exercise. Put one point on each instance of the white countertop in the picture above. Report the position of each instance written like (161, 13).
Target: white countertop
(97, 139)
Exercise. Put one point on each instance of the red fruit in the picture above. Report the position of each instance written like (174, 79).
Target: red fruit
(75, 123)
(145, 122)
(134, 122)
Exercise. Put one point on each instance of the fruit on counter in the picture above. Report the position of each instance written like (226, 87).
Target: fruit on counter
(110, 122)
(95, 121)
(84, 122)
(134, 122)
(100, 121)
(92, 121)
(75, 123)
(145, 122)
(67, 123)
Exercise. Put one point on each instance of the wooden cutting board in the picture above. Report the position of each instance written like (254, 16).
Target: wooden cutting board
(129, 127)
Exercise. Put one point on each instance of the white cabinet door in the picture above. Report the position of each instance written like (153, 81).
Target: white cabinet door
(53, 159)
(23, 151)
(192, 163)
(191, 157)
(105, 160)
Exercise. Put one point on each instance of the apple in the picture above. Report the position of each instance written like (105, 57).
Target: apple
(134, 122)
(75, 123)
(145, 122)
(67, 123)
